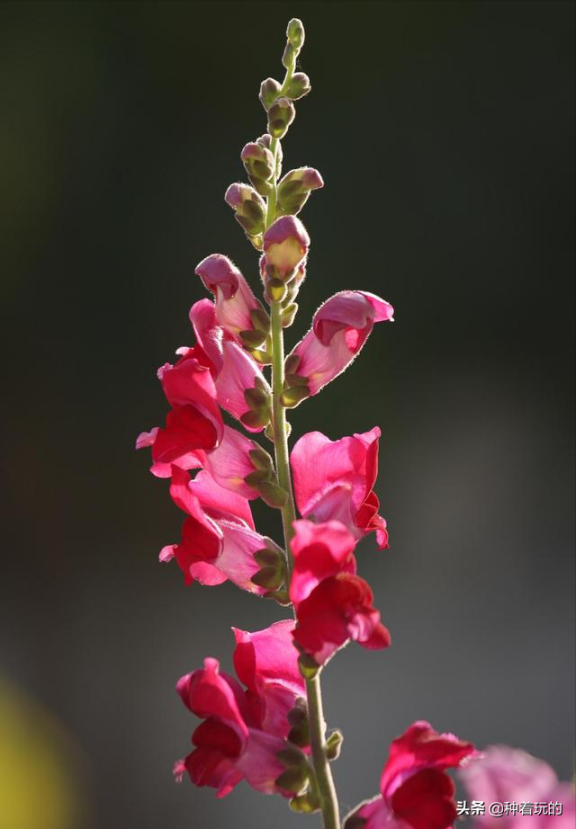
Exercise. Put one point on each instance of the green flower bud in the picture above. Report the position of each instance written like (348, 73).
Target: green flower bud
(272, 494)
(280, 116)
(334, 745)
(269, 90)
(270, 577)
(295, 33)
(288, 315)
(298, 87)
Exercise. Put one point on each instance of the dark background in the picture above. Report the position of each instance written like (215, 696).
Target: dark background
(444, 132)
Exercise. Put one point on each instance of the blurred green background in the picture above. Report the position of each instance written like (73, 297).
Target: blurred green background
(444, 132)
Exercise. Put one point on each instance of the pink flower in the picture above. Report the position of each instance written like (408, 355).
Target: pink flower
(235, 372)
(335, 479)
(229, 746)
(267, 663)
(332, 604)
(415, 790)
(218, 536)
(286, 244)
(234, 298)
(502, 774)
(340, 328)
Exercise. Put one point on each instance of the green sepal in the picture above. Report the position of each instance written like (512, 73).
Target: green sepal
(279, 596)
(257, 398)
(269, 577)
(291, 757)
(272, 494)
(305, 804)
(268, 558)
(260, 319)
(254, 479)
(300, 735)
(292, 397)
(262, 356)
(308, 666)
(276, 290)
(291, 363)
(293, 779)
(253, 338)
(256, 419)
(295, 380)
(261, 459)
(298, 87)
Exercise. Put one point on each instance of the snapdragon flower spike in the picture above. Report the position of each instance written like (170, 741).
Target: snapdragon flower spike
(503, 774)
(267, 663)
(286, 244)
(339, 330)
(335, 480)
(416, 791)
(219, 541)
(332, 604)
(229, 745)
(240, 385)
(235, 306)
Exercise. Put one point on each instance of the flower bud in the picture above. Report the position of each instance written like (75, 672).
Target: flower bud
(286, 244)
(259, 164)
(269, 90)
(299, 86)
(248, 206)
(334, 745)
(305, 804)
(280, 116)
(295, 33)
(295, 187)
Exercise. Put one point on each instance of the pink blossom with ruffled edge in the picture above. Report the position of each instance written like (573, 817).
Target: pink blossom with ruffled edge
(332, 604)
(267, 663)
(229, 746)
(335, 479)
(234, 370)
(234, 299)
(339, 330)
(286, 244)
(503, 774)
(218, 537)
(416, 791)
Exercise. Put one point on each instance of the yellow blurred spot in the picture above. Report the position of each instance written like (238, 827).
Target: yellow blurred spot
(39, 785)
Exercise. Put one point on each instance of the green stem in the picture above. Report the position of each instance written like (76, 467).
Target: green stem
(323, 772)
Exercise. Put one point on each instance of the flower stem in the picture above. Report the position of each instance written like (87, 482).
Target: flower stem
(323, 772)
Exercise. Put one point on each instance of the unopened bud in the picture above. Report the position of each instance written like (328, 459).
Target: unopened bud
(280, 116)
(269, 90)
(286, 244)
(295, 33)
(259, 164)
(288, 315)
(249, 207)
(299, 86)
(295, 187)
(334, 745)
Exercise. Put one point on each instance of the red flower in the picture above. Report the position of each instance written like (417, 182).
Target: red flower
(218, 537)
(332, 604)
(415, 789)
(335, 479)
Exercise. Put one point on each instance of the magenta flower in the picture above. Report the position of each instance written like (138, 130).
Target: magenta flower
(218, 536)
(502, 774)
(332, 604)
(335, 479)
(234, 299)
(416, 792)
(267, 663)
(235, 372)
(229, 745)
(340, 328)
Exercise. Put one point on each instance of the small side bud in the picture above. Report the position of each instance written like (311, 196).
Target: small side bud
(259, 164)
(269, 91)
(334, 745)
(288, 315)
(295, 187)
(280, 116)
(298, 87)
(295, 33)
